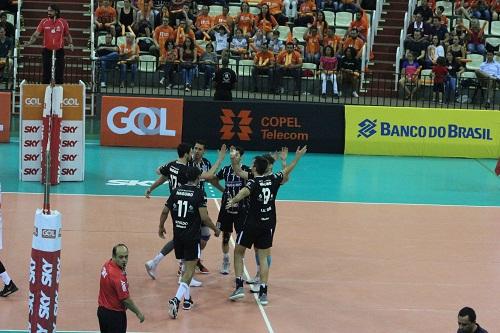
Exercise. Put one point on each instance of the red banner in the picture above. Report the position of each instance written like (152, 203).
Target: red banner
(5, 99)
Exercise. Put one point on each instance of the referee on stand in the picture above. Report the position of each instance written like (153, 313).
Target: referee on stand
(114, 298)
(54, 29)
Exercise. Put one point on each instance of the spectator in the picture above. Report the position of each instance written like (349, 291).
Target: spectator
(488, 75)
(239, 45)
(8, 5)
(108, 54)
(467, 322)
(439, 73)
(417, 45)
(424, 10)
(276, 44)
(258, 39)
(463, 8)
(9, 27)
(306, 13)
(288, 62)
(434, 52)
(169, 57)
(495, 10)
(105, 18)
(188, 14)
(410, 71)
(355, 42)
(221, 38)
(457, 50)
(245, 20)
(348, 6)
(320, 23)
(129, 55)
(126, 17)
(203, 23)
(461, 30)
(480, 10)
(164, 12)
(439, 13)
(437, 29)
(175, 10)
(265, 21)
(275, 9)
(328, 67)
(188, 60)
(476, 38)
(263, 65)
(361, 23)
(6, 48)
(350, 68)
(291, 9)
(454, 69)
(313, 45)
(418, 24)
(183, 30)
(225, 80)
(145, 22)
(208, 64)
(225, 20)
(162, 34)
(331, 39)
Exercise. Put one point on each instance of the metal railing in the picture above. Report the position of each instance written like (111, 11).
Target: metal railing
(379, 89)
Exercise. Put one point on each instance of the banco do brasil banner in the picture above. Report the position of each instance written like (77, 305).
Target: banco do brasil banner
(265, 126)
(372, 130)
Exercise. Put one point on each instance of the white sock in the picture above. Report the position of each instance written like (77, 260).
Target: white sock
(180, 291)
(187, 294)
(5, 278)
(158, 258)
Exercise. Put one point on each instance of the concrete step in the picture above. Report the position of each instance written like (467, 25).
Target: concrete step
(64, 5)
(385, 47)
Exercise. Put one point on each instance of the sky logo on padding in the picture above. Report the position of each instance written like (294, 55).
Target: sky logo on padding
(367, 128)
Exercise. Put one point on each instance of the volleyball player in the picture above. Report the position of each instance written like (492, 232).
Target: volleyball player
(189, 211)
(260, 222)
(9, 286)
(174, 172)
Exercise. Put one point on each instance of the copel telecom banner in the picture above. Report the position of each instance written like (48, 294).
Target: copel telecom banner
(372, 130)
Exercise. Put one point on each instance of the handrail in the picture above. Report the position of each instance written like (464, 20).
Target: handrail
(16, 52)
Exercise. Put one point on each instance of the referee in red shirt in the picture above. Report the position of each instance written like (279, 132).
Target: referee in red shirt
(54, 30)
(114, 298)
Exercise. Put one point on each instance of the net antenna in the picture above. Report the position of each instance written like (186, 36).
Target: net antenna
(46, 192)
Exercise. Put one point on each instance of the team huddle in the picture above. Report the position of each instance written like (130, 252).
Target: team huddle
(248, 207)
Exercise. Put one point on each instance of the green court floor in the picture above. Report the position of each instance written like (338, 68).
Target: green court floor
(319, 177)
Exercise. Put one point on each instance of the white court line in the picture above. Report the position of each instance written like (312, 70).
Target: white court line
(289, 200)
(247, 276)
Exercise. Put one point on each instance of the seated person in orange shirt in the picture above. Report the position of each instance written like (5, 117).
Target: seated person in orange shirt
(263, 65)
(361, 23)
(313, 45)
(354, 41)
(183, 31)
(224, 19)
(245, 20)
(288, 62)
(161, 34)
(331, 39)
(105, 18)
(129, 54)
(265, 21)
(306, 13)
(203, 24)
(276, 10)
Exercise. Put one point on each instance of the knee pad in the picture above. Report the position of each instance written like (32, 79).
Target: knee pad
(225, 238)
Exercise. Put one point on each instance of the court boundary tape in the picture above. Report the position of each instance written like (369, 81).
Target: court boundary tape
(247, 276)
(283, 200)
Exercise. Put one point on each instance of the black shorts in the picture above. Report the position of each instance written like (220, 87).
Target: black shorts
(261, 238)
(187, 250)
(227, 221)
(438, 87)
(111, 321)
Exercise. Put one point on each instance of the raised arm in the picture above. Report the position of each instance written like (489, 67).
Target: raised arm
(298, 155)
(210, 174)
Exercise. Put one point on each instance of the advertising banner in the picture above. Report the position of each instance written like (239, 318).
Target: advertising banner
(265, 126)
(5, 102)
(141, 122)
(372, 130)
(72, 152)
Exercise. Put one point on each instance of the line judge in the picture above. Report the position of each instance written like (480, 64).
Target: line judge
(55, 30)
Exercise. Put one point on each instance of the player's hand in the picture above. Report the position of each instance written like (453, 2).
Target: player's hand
(148, 193)
(140, 316)
(217, 232)
(161, 231)
(230, 204)
(284, 153)
(301, 151)
(222, 151)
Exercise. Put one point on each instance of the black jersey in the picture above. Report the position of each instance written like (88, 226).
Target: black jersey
(184, 203)
(175, 172)
(204, 165)
(233, 184)
(263, 191)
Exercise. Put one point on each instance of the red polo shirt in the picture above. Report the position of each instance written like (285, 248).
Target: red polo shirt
(113, 287)
(53, 32)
